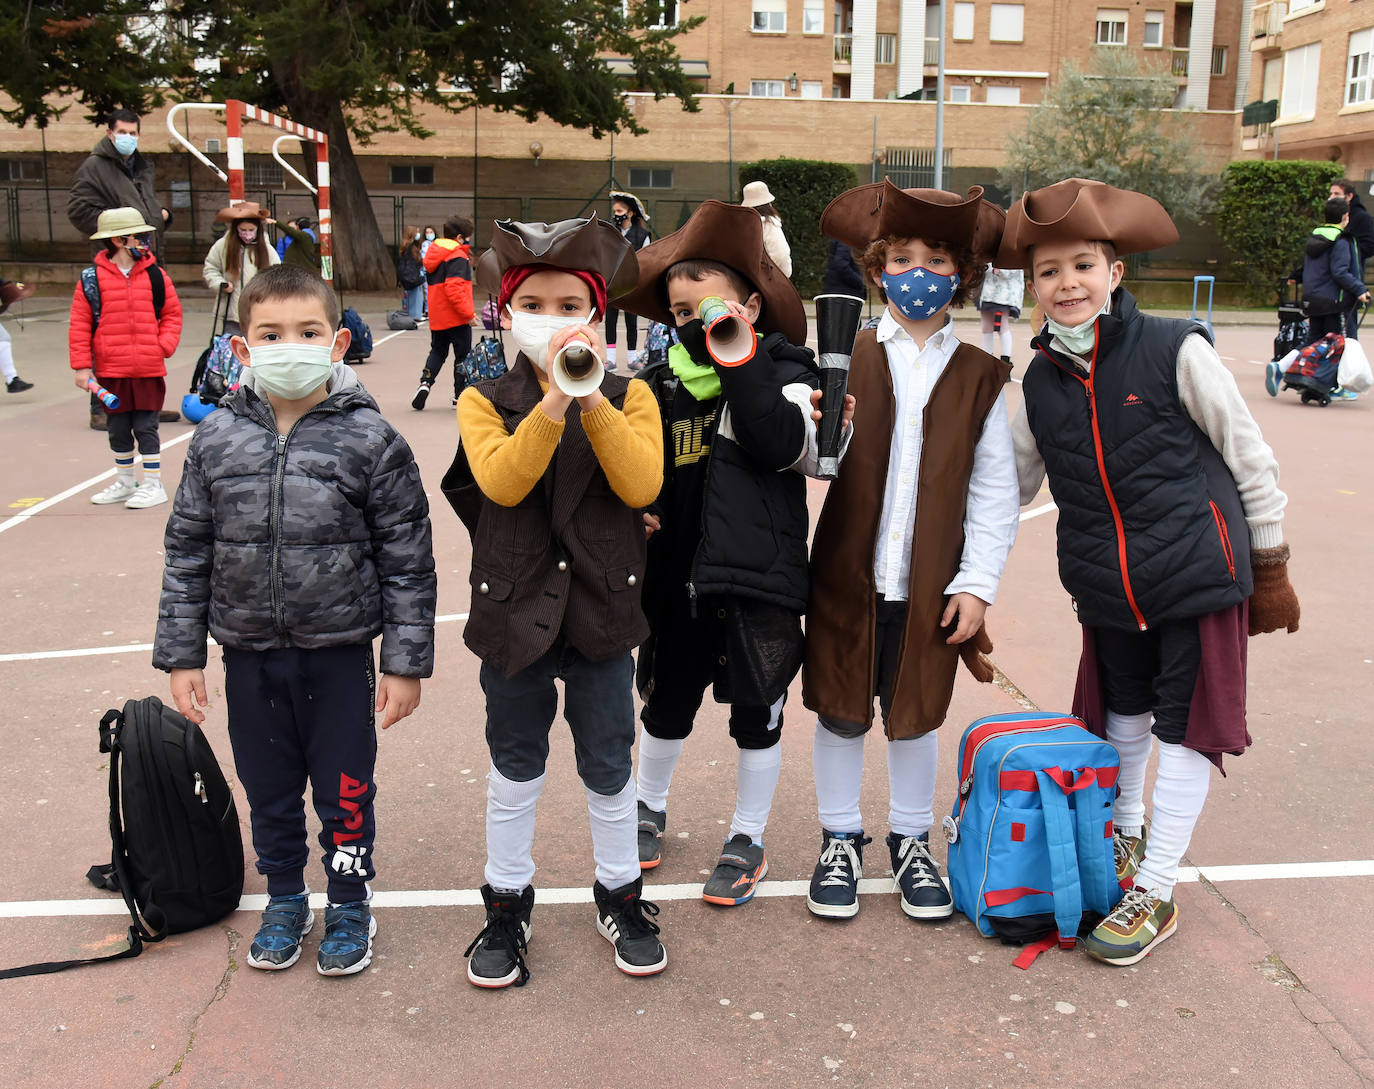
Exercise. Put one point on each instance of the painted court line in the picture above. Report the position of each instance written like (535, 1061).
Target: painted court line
(437, 898)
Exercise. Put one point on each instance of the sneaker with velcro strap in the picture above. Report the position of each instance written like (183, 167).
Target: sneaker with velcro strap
(1132, 929)
(496, 957)
(118, 491)
(738, 871)
(651, 826)
(626, 920)
(834, 892)
(150, 493)
(916, 876)
(346, 947)
(285, 923)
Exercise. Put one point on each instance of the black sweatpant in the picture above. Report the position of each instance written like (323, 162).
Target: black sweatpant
(123, 428)
(306, 715)
(459, 338)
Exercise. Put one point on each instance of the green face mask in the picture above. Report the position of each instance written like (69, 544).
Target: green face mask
(1080, 339)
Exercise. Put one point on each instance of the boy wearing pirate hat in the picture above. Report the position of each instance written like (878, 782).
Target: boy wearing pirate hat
(727, 553)
(1170, 517)
(913, 536)
(551, 494)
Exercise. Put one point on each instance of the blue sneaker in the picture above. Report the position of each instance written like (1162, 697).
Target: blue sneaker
(834, 892)
(347, 944)
(285, 923)
(1272, 377)
(1339, 394)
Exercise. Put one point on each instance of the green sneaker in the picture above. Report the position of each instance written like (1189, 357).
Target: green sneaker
(1135, 926)
(1130, 852)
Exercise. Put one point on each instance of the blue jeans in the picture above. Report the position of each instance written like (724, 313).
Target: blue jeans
(597, 703)
(415, 301)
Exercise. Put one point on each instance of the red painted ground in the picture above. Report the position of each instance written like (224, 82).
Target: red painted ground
(1267, 982)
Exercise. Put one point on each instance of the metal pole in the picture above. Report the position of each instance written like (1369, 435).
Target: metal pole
(940, 97)
(474, 175)
(730, 171)
(47, 194)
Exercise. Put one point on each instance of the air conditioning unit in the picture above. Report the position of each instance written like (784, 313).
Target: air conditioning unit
(212, 147)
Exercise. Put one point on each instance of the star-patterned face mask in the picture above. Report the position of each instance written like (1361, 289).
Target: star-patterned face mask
(919, 293)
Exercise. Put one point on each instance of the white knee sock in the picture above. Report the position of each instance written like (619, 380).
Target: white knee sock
(989, 340)
(510, 831)
(838, 765)
(1006, 337)
(1181, 784)
(7, 370)
(911, 784)
(757, 781)
(657, 761)
(610, 355)
(1133, 740)
(615, 835)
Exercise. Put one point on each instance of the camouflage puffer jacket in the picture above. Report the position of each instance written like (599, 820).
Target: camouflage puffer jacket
(319, 538)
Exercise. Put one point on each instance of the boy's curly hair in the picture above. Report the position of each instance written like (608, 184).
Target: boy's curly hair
(971, 270)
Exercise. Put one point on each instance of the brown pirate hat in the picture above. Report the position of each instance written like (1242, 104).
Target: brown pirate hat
(244, 209)
(1079, 208)
(590, 245)
(863, 215)
(732, 235)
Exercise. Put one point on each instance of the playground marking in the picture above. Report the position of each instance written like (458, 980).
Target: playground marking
(788, 890)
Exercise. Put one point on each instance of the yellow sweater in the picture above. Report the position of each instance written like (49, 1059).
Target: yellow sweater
(628, 445)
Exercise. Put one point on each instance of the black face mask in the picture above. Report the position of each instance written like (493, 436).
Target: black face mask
(692, 336)
(620, 219)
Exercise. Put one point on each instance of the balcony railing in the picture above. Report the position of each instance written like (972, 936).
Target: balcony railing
(932, 54)
(844, 45)
(1267, 21)
(1180, 65)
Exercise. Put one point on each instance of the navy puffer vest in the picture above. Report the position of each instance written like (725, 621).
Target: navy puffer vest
(1151, 526)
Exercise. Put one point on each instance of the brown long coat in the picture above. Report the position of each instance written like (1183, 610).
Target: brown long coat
(837, 679)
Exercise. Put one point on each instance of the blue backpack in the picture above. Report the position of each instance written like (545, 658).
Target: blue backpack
(486, 360)
(360, 346)
(1030, 855)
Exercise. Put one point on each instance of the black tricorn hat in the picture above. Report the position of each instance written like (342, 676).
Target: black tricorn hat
(588, 245)
(732, 235)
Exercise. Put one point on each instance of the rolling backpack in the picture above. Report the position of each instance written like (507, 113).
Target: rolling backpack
(1030, 839)
(177, 851)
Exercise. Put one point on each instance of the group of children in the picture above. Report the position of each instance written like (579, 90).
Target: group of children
(667, 513)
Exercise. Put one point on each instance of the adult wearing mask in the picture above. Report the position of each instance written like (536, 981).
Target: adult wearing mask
(1361, 229)
(238, 255)
(630, 218)
(758, 197)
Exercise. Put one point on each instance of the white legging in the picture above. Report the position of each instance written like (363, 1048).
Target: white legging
(990, 334)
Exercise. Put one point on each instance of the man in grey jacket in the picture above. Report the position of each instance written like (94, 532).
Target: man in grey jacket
(117, 175)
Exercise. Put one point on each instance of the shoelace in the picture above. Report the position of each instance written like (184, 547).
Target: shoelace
(1135, 903)
(637, 917)
(841, 860)
(915, 857)
(504, 928)
(1121, 849)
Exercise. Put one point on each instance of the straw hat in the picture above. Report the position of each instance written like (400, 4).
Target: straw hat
(755, 194)
(244, 209)
(733, 235)
(1079, 209)
(118, 222)
(870, 212)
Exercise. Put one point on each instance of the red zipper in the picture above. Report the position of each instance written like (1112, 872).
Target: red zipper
(1107, 487)
(984, 734)
(1225, 539)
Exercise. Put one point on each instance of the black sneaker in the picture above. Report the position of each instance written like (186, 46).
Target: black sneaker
(740, 868)
(834, 892)
(496, 956)
(421, 396)
(17, 385)
(925, 895)
(651, 826)
(626, 920)
(346, 947)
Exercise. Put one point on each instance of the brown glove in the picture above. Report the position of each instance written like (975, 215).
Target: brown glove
(1274, 604)
(973, 651)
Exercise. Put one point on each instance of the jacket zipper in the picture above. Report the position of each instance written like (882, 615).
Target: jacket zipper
(278, 475)
(1225, 540)
(1118, 524)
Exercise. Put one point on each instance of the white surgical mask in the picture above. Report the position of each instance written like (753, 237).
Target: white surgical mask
(532, 333)
(1079, 339)
(126, 143)
(290, 371)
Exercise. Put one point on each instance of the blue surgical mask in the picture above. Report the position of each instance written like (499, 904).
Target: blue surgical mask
(126, 143)
(919, 293)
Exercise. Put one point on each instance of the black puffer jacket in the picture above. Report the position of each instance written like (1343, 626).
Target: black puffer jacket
(318, 538)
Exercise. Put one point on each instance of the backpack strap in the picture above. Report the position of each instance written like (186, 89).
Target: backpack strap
(1061, 845)
(157, 279)
(90, 287)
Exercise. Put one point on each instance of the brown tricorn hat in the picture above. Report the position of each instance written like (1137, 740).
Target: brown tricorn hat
(588, 245)
(1079, 209)
(244, 209)
(863, 215)
(732, 235)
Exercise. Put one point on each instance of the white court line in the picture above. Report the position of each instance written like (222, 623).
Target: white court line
(430, 898)
(10, 523)
(1036, 512)
(138, 648)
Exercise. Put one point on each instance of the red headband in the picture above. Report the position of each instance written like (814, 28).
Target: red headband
(516, 275)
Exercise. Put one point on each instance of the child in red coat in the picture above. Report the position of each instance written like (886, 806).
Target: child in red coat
(122, 343)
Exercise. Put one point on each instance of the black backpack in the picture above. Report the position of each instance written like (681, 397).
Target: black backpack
(177, 854)
(410, 274)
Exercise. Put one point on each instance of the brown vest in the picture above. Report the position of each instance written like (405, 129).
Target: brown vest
(568, 559)
(837, 679)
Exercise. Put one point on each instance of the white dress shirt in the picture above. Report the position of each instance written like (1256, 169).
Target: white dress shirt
(993, 509)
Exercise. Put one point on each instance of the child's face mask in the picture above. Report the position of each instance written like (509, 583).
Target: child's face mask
(429, 236)
(138, 248)
(248, 234)
(532, 332)
(290, 370)
(919, 293)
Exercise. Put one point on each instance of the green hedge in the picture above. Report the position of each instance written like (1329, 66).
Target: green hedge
(801, 189)
(1267, 210)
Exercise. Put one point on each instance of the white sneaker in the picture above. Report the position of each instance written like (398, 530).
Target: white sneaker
(117, 492)
(148, 494)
